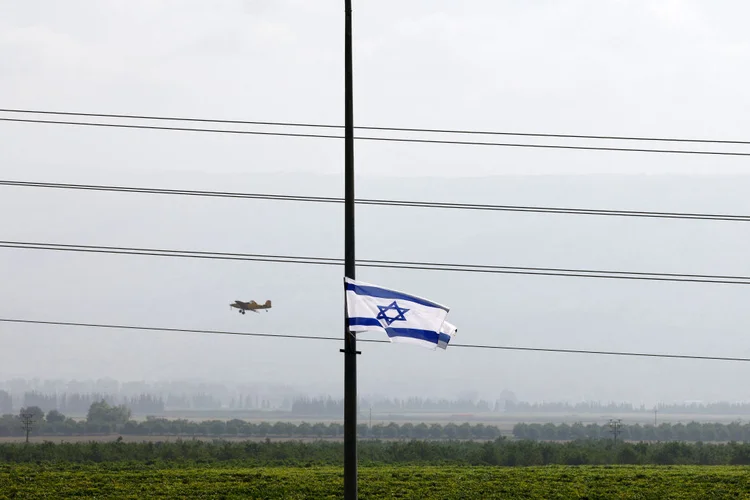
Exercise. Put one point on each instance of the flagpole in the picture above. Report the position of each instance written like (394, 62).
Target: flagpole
(350, 340)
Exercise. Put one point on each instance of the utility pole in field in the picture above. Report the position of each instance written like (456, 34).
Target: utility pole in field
(27, 421)
(350, 339)
(615, 427)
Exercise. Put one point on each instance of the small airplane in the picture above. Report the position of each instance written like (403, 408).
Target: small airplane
(250, 306)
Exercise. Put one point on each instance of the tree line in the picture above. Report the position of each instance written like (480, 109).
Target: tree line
(334, 407)
(103, 419)
(306, 406)
(500, 452)
(75, 403)
(78, 404)
(142, 404)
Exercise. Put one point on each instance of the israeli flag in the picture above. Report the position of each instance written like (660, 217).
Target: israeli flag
(403, 317)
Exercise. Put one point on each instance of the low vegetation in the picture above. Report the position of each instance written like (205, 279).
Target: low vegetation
(407, 482)
(500, 452)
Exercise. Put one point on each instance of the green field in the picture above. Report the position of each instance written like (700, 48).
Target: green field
(417, 482)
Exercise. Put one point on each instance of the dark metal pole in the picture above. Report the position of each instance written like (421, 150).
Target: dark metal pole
(350, 340)
(27, 419)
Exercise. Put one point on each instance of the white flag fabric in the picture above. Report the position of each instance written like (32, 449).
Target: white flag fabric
(446, 334)
(403, 317)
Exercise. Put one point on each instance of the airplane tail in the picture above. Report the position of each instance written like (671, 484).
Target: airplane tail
(268, 303)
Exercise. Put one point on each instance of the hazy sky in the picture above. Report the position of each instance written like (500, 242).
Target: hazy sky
(658, 68)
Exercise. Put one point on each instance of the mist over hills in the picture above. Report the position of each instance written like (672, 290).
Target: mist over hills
(535, 311)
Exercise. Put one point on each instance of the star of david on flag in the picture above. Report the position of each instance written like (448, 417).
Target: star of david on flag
(388, 319)
(404, 317)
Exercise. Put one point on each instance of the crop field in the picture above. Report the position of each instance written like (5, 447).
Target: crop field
(405, 482)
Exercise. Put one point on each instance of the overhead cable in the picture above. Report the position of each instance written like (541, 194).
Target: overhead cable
(381, 139)
(311, 337)
(387, 129)
(389, 264)
(383, 202)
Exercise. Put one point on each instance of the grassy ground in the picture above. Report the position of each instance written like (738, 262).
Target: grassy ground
(408, 482)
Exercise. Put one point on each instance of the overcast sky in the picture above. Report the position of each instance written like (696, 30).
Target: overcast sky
(650, 68)
(658, 68)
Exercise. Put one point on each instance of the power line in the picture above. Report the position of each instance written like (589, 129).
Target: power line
(173, 330)
(337, 339)
(381, 202)
(414, 265)
(383, 139)
(604, 353)
(158, 252)
(177, 129)
(387, 129)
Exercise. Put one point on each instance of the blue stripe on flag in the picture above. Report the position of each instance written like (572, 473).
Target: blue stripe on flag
(426, 335)
(364, 322)
(384, 293)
